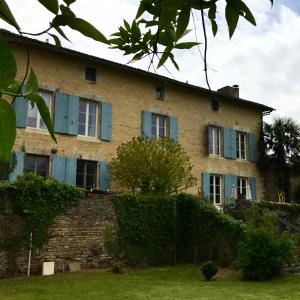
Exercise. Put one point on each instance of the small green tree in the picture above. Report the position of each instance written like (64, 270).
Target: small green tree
(152, 165)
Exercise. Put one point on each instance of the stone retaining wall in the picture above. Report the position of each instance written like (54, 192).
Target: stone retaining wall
(77, 236)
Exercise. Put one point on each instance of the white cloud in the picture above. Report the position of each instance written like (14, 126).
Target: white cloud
(263, 60)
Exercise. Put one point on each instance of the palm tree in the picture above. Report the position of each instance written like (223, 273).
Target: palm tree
(282, 151)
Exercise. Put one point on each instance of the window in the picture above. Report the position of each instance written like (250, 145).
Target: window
(241, 145)
(87, 118)
(36, 164)
(86, 174)
(214, 140)
(159, 126)
(160, 93)
(34, 119)
(90, 74)
(215, 189)
(242, 187)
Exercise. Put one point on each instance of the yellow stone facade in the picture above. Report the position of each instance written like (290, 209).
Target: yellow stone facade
(130, 92)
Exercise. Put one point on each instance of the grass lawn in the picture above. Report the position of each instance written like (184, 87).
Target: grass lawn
(179, 282)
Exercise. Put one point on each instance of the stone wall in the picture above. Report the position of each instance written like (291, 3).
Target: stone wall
(77, 236)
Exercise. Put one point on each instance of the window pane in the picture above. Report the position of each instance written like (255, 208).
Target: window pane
(92, 131)
(92, 120)
(82, 118)
(81, 129)
(91, 167)
(161, 131)
(29, 164)
(79, 179)
(36, 164)
(92, 108)
(80, 166)
(31, 122)
(82, 106)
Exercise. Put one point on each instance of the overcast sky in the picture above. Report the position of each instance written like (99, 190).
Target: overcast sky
(263, 60)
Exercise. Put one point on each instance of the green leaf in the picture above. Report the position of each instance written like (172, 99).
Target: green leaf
(214, 27)
(12, 88)
(56, 40)
(164, 57)
(232, 18)
(7, 130)
(8, 67)
(186, 45)
(66, 11)
(6, 14)
(183, 21)
(247, 13)
(61, 20)
(51, 5)
(173, 61)
(87, 29)
(69, 2)
(60, 31)
(44, 112)
(32, 82)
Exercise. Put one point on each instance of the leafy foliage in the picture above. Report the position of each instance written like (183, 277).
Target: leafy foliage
(159, 26)
(152, 165)
(152, 228)
(117, 267)
(264, 252)
(209, 269)
(281, 155)
(37, 201)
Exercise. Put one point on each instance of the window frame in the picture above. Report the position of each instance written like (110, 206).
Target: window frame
(157, 126)
(212, 140)
(34, 171)
(213, 196)
(85, 174)
(239, 150)
(38, 116)
(87, 118)
(242, 188)
(160, 93)
(88, 71)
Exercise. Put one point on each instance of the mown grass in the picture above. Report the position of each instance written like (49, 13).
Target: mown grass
(179, 282)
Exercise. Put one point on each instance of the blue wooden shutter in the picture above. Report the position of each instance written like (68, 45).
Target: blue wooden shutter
(71, 167)
(253, 188)
(252, 146)
(106, 122)
(19, 167)
(233, 143)
(229, 143)
(59, 168)
(104, 176)
(21, 110)
(173, 125)
(146, 124)
(205, 185)
(73, 112)
(229, 181)
(66, 113)
(61, 113)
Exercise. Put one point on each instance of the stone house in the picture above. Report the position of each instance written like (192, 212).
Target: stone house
(97, 104)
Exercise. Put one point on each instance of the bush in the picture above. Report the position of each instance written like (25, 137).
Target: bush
(263, 252)
(117, 267)
(263, 255)
(209, 269)
(152, 165)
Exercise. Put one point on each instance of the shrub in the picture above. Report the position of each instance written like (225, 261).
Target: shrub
(263, 255)
(152, 165)
(209, 269)
(117, 267)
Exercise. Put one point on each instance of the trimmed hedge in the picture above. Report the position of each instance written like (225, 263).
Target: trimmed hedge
(156, 229)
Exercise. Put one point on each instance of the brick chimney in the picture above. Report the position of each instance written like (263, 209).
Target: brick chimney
(233, 91)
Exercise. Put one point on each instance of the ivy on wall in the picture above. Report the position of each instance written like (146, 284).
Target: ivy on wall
(32, 203)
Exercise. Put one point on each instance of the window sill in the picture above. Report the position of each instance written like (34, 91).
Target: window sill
(37, 130)
(88, 139)
(216, 156)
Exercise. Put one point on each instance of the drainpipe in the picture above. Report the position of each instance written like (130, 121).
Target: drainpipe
(29, 255)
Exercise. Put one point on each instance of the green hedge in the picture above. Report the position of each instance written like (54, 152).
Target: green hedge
(162, 229)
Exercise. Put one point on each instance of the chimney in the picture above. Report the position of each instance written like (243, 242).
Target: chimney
(233, 91)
